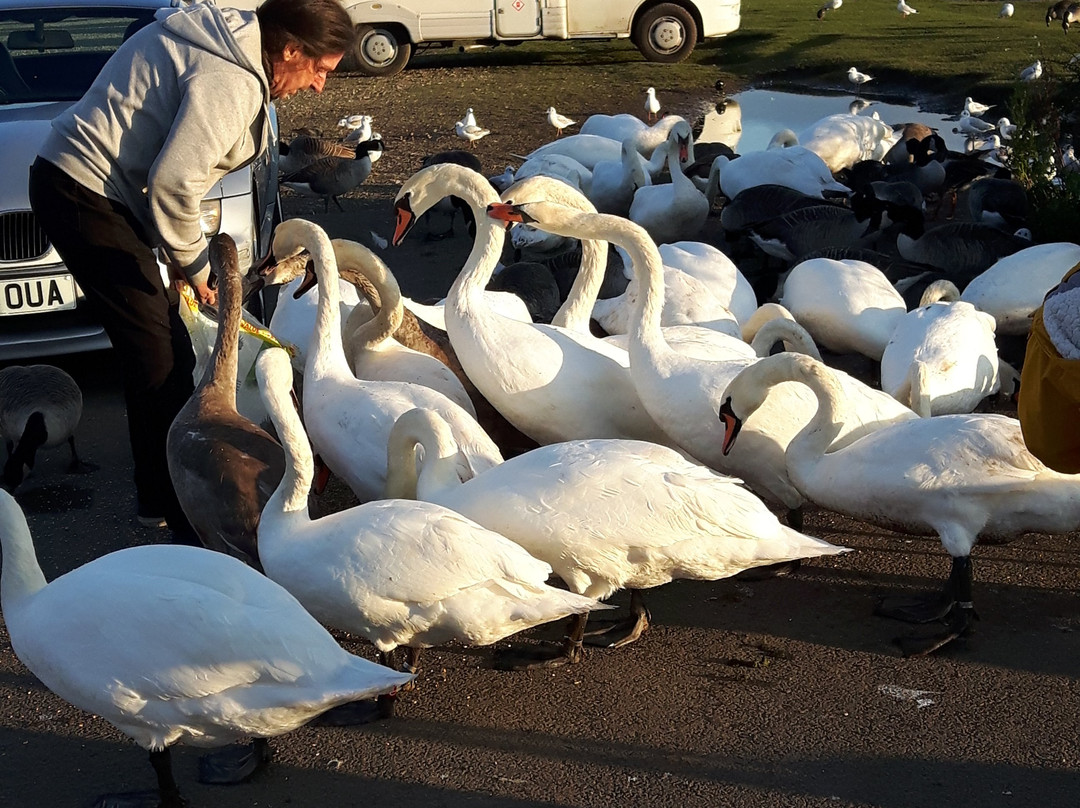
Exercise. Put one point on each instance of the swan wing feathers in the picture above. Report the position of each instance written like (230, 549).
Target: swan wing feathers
(164, 635)
(613, 502)
(419, 552)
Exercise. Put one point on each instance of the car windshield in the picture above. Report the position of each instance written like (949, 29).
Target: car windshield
(53, 54)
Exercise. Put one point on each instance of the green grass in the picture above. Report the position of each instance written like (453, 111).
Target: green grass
(950, 49)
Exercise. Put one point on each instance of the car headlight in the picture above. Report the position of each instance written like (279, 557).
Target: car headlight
(210, 216)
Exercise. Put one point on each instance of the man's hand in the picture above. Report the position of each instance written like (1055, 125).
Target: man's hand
(205, 294)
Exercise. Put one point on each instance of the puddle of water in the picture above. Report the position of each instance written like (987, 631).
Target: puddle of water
(749, 119)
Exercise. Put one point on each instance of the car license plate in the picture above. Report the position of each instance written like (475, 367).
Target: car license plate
(33, 295)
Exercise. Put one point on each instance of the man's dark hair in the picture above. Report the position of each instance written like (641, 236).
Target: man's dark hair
(319, 27)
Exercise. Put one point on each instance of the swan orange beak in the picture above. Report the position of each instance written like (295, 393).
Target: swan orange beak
(732, 425)
(405, 219)
(684, 150)
(507, 212)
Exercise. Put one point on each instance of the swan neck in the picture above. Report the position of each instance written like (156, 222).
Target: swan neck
(919, 393)
(374, 332)
(291, 495)
(817, 436)
(328, 358)
(22, 576)
(468, 288)
(576, 310)
(220, 374)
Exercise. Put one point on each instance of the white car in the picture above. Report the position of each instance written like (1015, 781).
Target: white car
(50, 52)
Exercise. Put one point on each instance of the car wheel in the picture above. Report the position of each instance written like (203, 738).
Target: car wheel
(665, 33)
(378, 50)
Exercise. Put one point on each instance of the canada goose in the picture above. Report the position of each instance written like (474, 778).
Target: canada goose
(224, 468)
(999, 202)
(1071, 15)
(40, 407)
(1057, 11)
(329, 177)
(533, 282)
(303, 150)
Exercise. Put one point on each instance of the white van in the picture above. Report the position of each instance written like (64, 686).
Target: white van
(663, 30)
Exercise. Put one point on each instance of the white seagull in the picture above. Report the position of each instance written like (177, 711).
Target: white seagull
(857, 78)
(905, 9)
(1006, 10)
(972, 126)
(1032, 71)
(469, 118)
(652, 105)
(560, 122)
(973, 107)
(830, 5)
(470, 132)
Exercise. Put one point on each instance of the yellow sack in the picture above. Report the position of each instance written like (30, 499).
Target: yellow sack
(1049, 400)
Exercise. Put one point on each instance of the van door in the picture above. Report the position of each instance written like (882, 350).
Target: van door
(517, 18)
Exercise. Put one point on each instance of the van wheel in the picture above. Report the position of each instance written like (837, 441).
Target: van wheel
(378, 50)
(665, 33)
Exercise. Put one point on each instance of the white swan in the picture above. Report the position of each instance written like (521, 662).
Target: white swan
(348, 419)
(372, 351)
(551, 383)
(701, 285)
(674, 210)
(795, 167)
(848, 306)
(959, 476)
(586, 149)
(623, 127)
(606, 514)
(941, 358)
(174, 644)
(842, 140)
(560, 166)
(1014, 286)
(395, 571)
(614, 182)
(682, 392)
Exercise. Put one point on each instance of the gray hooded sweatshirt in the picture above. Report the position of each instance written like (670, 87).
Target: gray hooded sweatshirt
(183, 102)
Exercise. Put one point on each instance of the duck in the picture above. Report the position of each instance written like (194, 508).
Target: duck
(848, 306)
(349, 419)
(673, 211)
(551, 383)
(40, 407)
(679, 389)
(665, 517)
(961, 477)
(329, 177)
(196, 651)
(941, 357)
(794, 167)
(397, 572)
(223, 467)
(1013, 287)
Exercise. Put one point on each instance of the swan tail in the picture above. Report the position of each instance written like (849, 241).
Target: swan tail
(799, 545)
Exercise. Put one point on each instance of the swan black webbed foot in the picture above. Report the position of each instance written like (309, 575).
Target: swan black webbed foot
(618, 633)
(234, 764)
(167, 794)
(953, 605)
(550, 655)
